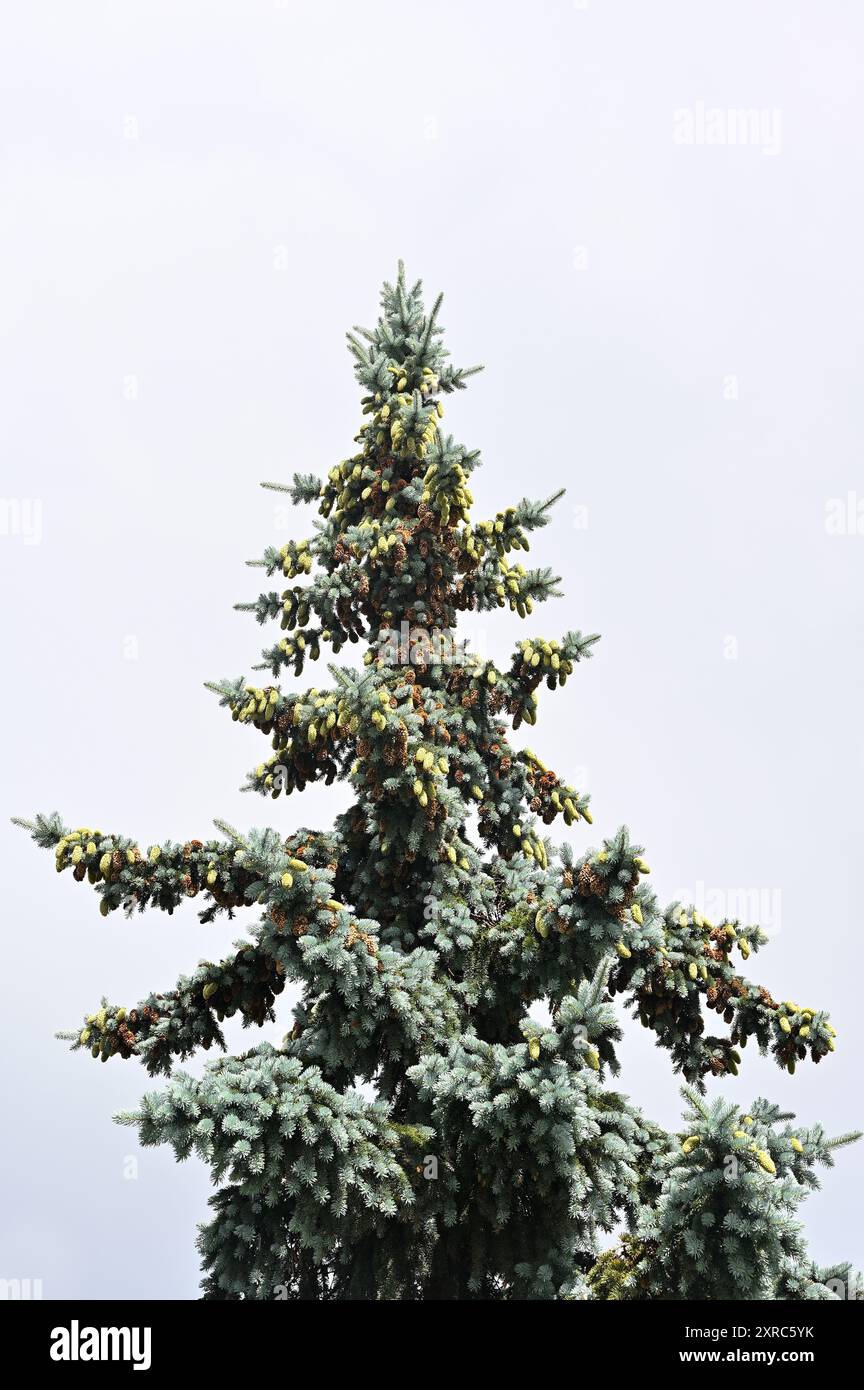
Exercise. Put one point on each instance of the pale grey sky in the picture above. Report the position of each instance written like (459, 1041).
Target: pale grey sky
(197, 201)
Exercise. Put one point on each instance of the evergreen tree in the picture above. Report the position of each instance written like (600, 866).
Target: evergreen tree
(419, 1134)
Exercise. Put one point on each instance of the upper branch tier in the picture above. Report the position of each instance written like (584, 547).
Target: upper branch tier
(396, 543)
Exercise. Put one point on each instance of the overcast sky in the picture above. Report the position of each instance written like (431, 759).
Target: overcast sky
(647, 222)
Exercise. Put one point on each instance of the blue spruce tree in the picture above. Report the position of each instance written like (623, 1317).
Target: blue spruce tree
(418, 1134)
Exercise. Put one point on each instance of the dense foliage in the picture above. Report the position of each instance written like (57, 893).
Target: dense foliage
(420, 1132)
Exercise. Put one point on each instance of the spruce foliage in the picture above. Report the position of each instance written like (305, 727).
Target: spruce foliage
(418, 1133)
